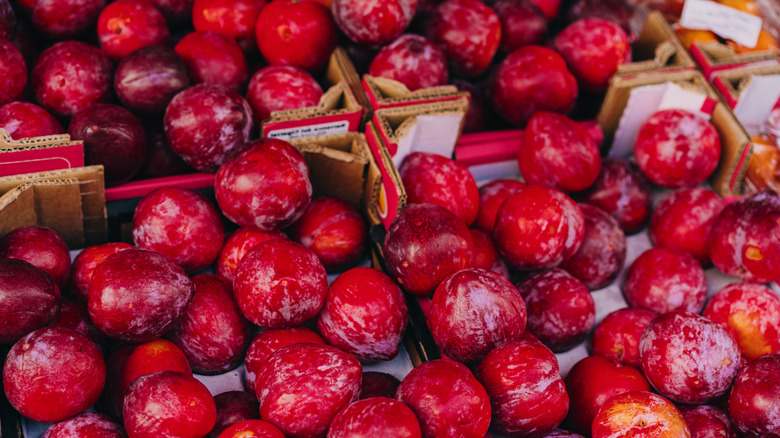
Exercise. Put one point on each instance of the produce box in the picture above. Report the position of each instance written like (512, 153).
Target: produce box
(751, 91)
(388, 93)
(714, 57)
(39, 154)
(630, 99)
(72, 201)
(657, 49)
(338, 111)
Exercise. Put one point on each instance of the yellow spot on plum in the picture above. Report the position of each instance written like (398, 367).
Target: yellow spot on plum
(753, 253)
(26, 347)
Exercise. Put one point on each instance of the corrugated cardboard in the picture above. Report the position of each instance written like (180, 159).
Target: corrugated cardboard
(731, 84)
(72, 201)
(389, 197)
(713, 57)
(736, 146)
(433, 128)
(338, 111)
(388, 93)
(657, 49)
(39, 154)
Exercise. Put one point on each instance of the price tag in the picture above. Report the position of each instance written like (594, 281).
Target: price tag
(725, 21)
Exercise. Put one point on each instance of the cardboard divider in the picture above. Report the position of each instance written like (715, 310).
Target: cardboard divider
(658, 49)
(751, 91)
(433, 128)
(338, 111)
(388, 195)
(728, 178)
(713, 57)
(39, 154)
(72, 201)
(388, 93)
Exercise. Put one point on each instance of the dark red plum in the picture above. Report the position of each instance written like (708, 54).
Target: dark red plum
(147, 79)
(41, 246)
(160, 159)
(662, 280)
(335, 231)
(281, 88)
(181, 224)
(235, 18)
(617, 335)
(446, 398)
(213, 333)
(377, 384)
(125, 26)
(23, 119)
(302, 387)
(266, 187)
(413, 61)
(746, 238)
(65, 19)
(269, 341)
(215, 59)
(170, 404)
(531, 79)
(176, 12)
(378, 416)
(138, 295)
(13, 72)
(708, 421)
(683, 220)
(364, 315)
(84, 266)
(688, 358)
(754, 402)
(113, 137)
(561, 310)
(74, 315)
(491, 196)
(436, 179)
(86, 425)
(538, 227)
(751, 313)
(478, 113)
(29, 299)
(486, 255)
(425, 244)
(522, 24)
(469, 33)
(622, 191)
(237, 245)
(280, 283)
(557, 152)
(232, 407)
(70, 76)
(296, 33)
(7, 20)
(603, 251)
(594, 380)
(527, 395)
(53, 373)
(474, 311)
(207, 124)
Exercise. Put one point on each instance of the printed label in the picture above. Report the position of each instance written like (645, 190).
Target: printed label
(725, 21)
(338, 127)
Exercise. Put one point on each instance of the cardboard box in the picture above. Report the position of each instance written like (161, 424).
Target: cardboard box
(657, 49)
(39, 154)
(751, 91)
(388, 93)
(72, 201)
(692, 90)
(388, 194)
(338, 111)
(714, 57)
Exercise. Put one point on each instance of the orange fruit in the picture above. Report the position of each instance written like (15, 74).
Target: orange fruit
(690, 36)
(766, 42)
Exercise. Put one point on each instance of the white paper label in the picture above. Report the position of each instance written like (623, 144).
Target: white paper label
(725, 21)
(643, 102)
(338, 127)
(756, 102)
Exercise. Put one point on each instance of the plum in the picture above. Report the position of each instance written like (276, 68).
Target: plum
(147, 79)
(372, 22)
(377, 416)
(412, 60)
(491, 196)
(23, 119)
(125, 26)
(281, 88)
(754, 402)
(13, 71)
(85, 263)
(215, 59)
(617, 335)
(237, 245)
(29, 299)
(234, 407)
(86, 425)
(41, 246)
(638, 413)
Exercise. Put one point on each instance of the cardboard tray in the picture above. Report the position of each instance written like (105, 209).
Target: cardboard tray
(728, 178)
(388, 93)
(72, 201)
(338, 111)
(713, 57)
(657, 49)
(39, 154)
